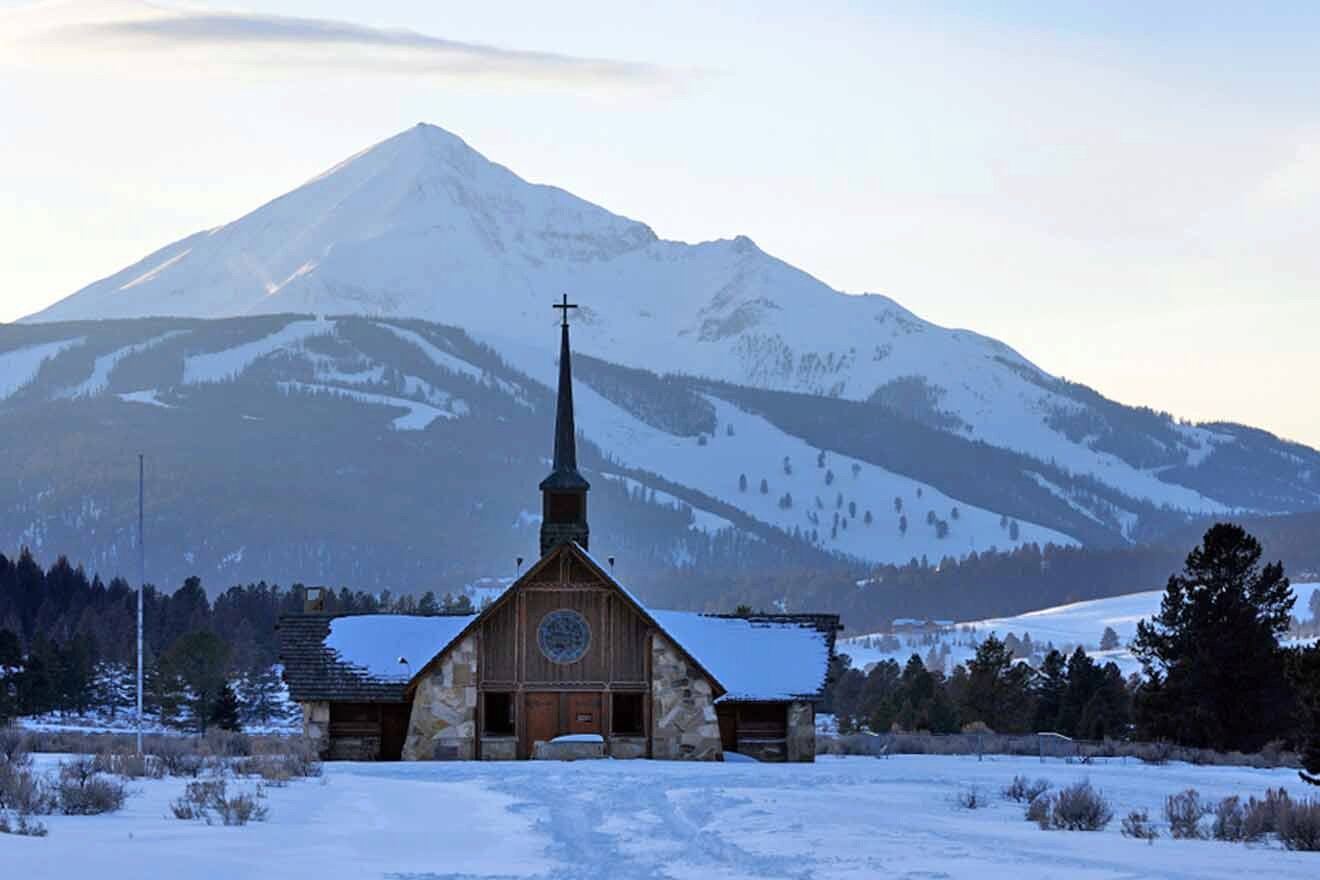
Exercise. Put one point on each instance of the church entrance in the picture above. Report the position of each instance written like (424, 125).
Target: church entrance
(551, 714)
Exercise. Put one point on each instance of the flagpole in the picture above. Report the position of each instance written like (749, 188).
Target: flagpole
(142, 584)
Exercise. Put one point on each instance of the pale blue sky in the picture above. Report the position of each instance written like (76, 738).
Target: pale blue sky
(1125, 192)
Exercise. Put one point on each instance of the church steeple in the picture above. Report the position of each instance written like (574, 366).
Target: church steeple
(564, 491)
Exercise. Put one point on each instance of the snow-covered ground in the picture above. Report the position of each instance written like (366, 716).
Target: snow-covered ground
(838, 819)
(1066, 626)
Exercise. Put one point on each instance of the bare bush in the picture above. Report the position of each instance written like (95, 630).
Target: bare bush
(226, 744)
(1038, 810)
(130, 766)
(1262, 817)
(22, 825)
(24, 792)
(972, 798)
(1230, 822)
(179, 757)
(1137, 824)
(1024, 791)
(208, 800)
(1184, 812)
(272, 770)
(15, 747)
(82, 791)
(1299, 826)
(1080, 807)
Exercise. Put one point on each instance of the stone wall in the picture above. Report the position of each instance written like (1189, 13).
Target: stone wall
(316, 726)
(801, 732)
(354, 748)
(500, 748)
(684, 727)
(627, 747)
(443, 726)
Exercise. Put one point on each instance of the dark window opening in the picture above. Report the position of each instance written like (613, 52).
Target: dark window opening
(498, 715)
(565, 508)
(627, 716)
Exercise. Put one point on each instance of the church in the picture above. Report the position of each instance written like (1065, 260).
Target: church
(565, 663)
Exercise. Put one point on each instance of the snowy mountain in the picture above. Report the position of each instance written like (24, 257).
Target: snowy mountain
(422, 226)
(707, 371)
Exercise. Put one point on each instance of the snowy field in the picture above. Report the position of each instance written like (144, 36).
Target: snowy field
(1065, 626)
(840, 818)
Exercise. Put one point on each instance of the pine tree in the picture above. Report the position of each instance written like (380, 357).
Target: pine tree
(997, 690)
(765, 487)
(1051, 686)
(197, 661)
(1213, 665)
(262, 697)
(1109, 640)
(224, 711)
(742, 482)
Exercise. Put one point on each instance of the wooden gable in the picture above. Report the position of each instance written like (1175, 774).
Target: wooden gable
(617, 656)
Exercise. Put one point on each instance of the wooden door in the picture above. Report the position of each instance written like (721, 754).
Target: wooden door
(541, 719)
(393, 730)
(584, 713)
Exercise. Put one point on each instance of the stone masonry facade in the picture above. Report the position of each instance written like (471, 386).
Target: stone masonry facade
(801, 744)
(316, 726)
(684, 725)
(443, 725)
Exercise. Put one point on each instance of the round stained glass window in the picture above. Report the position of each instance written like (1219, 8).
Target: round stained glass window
(563, 636)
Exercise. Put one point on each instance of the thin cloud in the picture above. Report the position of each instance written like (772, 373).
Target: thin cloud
(137, 34)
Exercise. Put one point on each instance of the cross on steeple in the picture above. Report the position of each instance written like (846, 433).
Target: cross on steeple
(565, 305)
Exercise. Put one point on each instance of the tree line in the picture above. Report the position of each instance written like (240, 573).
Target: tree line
(68, 644)
(1215, 673)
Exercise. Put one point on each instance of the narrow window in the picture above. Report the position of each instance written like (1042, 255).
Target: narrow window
(627, 715)
(498, 714)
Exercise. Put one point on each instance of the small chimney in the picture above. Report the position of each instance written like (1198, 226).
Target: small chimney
(611, 561)
(314, 600)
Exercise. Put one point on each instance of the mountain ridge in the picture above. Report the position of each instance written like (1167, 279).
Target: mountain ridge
(422, 227)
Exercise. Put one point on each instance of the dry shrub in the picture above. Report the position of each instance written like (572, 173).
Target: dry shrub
(1230, 822)
(130, 765)
(15, 746)
(1023, 791)
(1080, 807)
(226, 744)
(1038, 811)
(208, 800)
(1263, 817)
(178, 756)
(1184, 812)
(1137, 824)
(1299, 826)
(972, 799)
(84, 792)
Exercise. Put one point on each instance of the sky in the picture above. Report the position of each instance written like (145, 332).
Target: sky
(1125, 192)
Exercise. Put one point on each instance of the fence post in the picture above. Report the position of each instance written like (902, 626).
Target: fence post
(1040, 746)
(980, 746)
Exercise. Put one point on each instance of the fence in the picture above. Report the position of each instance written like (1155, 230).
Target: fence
(1045, 746)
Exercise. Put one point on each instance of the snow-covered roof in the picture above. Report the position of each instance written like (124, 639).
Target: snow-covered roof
(374, 643)
(754, 660)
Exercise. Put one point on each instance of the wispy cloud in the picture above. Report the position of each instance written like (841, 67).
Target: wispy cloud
(136, 35)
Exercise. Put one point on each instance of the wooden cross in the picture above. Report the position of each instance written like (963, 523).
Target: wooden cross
(565, 305)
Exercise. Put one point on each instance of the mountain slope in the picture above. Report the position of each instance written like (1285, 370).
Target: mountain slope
(423, 227)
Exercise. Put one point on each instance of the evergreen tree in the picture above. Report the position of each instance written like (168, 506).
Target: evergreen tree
(1109, 640)
(262, 696)
(198, 661)
(998, 689)
(224, 710)
(1304, 672)
(1214, 669)
(742, 482)
(765, 487)
(1051, 687)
